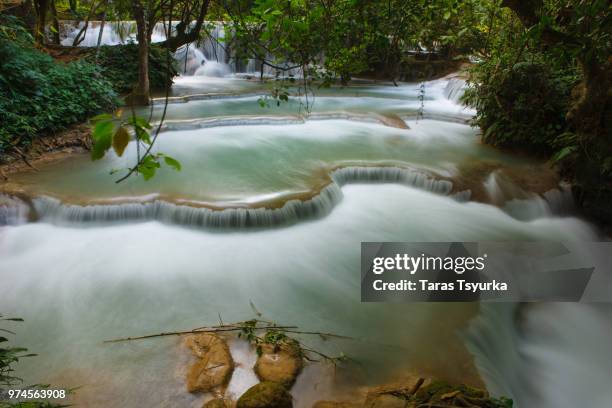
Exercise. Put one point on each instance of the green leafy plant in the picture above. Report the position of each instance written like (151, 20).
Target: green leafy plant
(40, 96)
(111, 131)
(9, 356)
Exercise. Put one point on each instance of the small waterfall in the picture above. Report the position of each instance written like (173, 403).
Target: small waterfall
(213, 69)
(455, 89)
(114, 33)
(527, 206)
(214, 44)
(54, 211)
(562, 345)
(208, 57)
(555, 202)
(213, 56)
(500, 189)
(13, 211)
(397, 175)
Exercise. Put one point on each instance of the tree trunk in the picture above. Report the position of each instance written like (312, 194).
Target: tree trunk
(42, 6)
(141, 93)
(185, 37)
(73, 6)
(55, 22)
(101, 32)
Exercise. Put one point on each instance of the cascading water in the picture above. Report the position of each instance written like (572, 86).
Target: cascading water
(113, 33)
(535, 352)
(292, 211)
(357, 168)
(455, 88)
(13, 211)
(211, 56)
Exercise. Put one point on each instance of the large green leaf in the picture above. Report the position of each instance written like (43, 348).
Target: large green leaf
(175, 164)
(121, 140)
(102, 138)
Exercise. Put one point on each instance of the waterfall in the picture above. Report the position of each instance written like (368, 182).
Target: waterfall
(13, 211)
(396, 175)
(534, 353)
(211, 56)
(527, 206)
(54, 211)
(114, 33)
(455, 89)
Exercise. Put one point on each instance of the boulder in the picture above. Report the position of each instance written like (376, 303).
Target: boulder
(279, 363)
(266, 394)
(214, 366)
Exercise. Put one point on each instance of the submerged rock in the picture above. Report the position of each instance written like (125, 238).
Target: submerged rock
(216, 403)
(266, 394)
(392, 120)
(385, 401)
(215, 365)
(279, 363)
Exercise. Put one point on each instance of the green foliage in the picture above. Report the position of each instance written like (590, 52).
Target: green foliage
(9, 356)
(530, 86)
(521, 106)
(119, 64)
(354, 36)
(112, 131)
(39, 95)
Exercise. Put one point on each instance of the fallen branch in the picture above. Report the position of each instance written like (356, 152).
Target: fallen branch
(275, 335)
(212, 329)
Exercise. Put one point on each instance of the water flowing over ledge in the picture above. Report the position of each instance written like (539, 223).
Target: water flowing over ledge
(509, 340)
(282, 211)
(389, 120)
(13, 211)
(269, 211)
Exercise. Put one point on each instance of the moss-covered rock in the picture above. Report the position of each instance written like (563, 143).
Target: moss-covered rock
(266, 394)
(216, 403)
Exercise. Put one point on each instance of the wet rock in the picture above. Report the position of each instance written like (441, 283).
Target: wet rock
(214, 366)
(334, 404)
(393, 120)
(280, 363)
(266, 394)
(216, 403)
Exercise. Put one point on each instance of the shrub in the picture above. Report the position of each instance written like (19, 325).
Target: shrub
(39, 95)
(119, 64)
(522, 107)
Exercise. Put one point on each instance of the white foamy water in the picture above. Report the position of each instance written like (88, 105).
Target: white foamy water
(545, 354)
(87, 285)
